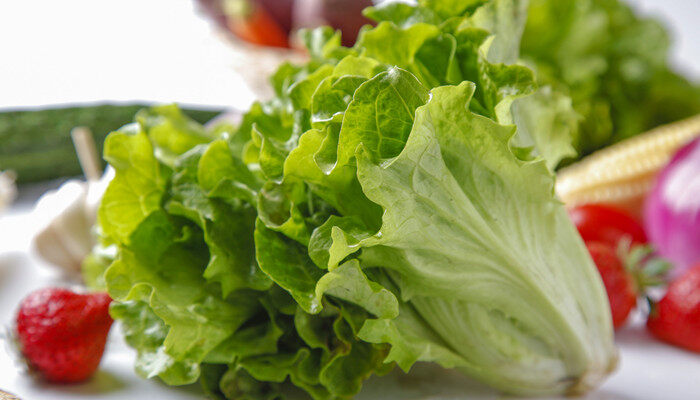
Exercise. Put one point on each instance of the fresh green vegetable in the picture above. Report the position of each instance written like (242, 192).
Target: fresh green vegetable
(612, 63)
(36, 144)
(392, 204)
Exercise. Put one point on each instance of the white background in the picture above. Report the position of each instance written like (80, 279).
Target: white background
(58, 51)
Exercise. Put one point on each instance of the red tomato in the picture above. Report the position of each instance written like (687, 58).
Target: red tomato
(601, 223)
(259, 27)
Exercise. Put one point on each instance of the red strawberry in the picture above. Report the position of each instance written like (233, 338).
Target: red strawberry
(676, 318)
(626, 273)
(619, 284)
(62, 334)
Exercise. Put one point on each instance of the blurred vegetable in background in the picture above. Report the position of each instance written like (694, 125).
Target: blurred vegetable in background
(606, 224)
(618, 281)
(36, 144)
(622, 174)
(672, 210)
(273, 22)
(612, 63)
(675, 319)
(618, 246)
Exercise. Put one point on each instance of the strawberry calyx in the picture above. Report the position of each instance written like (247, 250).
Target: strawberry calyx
(646, 269)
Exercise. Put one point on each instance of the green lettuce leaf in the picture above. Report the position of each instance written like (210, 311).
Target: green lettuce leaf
(450, 8)
(138, 185)
(614, 65)
(402, 14)
(227, 225)
(163, 265)
(466, 218)
(171, 131)
(377, 210)
(146, 332)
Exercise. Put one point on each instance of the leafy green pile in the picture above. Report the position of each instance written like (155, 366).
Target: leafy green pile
(612, 63)
(392, 204)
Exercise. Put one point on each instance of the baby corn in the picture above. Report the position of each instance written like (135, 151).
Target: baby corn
(623, 173)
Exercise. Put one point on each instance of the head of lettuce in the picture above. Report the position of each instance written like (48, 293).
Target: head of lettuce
(392, 204)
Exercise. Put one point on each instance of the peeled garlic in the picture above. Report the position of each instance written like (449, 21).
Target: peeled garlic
(70, 213)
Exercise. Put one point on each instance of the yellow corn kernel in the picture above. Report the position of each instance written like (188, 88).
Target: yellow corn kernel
(623, 173)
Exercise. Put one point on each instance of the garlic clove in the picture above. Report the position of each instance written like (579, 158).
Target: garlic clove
(65, 238)
(70, 213)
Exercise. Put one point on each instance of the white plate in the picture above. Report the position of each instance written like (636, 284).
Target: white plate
(648, 370)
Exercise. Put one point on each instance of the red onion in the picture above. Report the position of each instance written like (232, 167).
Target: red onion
(672, 209)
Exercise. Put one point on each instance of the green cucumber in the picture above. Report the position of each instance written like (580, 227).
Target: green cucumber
(37, 145)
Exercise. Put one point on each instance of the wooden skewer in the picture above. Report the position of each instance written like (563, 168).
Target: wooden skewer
(8, 192)
(10, 175)
(87, 152)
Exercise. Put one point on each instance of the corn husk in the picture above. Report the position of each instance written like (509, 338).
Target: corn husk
(623, 174)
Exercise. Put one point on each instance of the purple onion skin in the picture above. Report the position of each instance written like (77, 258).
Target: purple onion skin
(672, 209)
